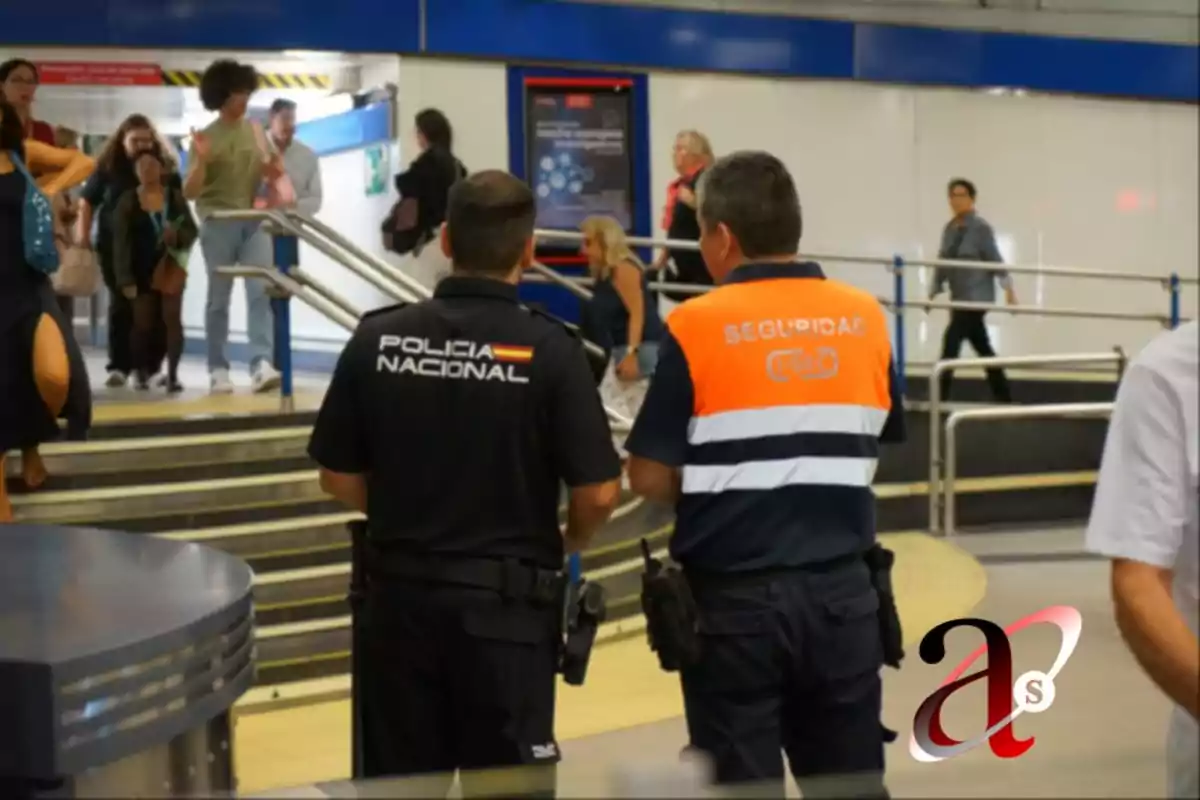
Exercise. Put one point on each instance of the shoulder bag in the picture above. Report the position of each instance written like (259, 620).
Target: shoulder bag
(41, 250)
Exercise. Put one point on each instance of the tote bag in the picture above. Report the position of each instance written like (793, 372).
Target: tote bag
(277, 192)
(41, 251)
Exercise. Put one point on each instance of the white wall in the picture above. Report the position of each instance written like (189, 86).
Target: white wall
(1064, 181)
(473, 96)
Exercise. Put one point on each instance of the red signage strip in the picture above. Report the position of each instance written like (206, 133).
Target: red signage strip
(580, 83)
(99, 73)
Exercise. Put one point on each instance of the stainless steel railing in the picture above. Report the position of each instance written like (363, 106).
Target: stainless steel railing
(937, 461)
(1002, 412)
(899, 303)
(383, 276)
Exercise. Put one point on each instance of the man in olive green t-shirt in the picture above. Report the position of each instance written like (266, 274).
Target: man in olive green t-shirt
(226, 167)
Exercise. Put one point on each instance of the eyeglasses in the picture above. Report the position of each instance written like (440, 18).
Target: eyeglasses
(21, 80)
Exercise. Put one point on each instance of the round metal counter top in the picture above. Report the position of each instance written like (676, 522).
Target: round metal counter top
(111, 643)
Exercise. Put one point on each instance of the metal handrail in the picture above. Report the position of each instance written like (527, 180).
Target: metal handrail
(1004, 412)
(295, 289)
(391, 271)
(574, 284)
(936, 459)
(302, 277)
(1032, 269)
(285, 224)
(372, 269)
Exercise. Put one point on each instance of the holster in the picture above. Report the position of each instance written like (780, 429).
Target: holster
(879, 561)
(586, 607)
(670, 610)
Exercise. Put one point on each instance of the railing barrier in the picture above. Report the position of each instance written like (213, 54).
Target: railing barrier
(1000, 412)
(936, 457)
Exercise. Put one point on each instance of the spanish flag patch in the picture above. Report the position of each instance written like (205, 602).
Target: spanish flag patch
(512, 352)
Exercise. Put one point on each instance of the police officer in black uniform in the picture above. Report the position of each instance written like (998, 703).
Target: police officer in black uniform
(452, 424)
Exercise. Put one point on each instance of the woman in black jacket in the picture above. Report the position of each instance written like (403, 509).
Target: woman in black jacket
(114, 177)
(424, 188)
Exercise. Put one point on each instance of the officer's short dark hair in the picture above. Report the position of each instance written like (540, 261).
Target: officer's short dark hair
(965, 184)
(752, 194)
(281, 105)
(224, 78)
(489, 221)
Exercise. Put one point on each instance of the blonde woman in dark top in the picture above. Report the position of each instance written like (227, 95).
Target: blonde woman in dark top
(153, 231)
(623, 313)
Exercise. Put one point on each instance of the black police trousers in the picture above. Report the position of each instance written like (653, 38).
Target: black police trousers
(789, 663)
(457, 679)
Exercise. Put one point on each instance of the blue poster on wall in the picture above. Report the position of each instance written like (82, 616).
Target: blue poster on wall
(579, 160)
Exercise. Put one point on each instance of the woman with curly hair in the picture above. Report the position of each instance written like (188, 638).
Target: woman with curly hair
(227, 166)
(114, 177)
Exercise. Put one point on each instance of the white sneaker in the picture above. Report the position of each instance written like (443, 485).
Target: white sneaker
(265, 379)
(219, 383)
(116, 379)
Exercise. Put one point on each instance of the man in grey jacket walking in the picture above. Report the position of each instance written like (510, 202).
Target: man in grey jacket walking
(968, 237)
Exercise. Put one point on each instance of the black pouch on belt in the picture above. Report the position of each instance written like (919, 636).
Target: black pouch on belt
(880, 560)
(587, 607)
(670, 614)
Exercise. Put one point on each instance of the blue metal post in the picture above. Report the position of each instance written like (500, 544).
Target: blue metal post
(287, 255)
(1174, 290)
(898, 314)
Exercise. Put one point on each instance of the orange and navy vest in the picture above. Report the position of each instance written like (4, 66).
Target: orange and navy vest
(792, 387)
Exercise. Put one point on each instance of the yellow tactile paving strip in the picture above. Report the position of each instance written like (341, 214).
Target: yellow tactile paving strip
(934, 581)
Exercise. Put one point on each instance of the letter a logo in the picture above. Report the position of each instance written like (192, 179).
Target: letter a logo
(930, 742)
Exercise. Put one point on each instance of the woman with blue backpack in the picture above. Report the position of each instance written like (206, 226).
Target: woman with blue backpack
(42, 373)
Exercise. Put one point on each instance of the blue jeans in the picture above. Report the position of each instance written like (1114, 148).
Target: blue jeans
(227, 243)
(647, 357)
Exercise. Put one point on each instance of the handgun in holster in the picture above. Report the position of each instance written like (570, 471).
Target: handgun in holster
(880, 561)
(670, 613)
(586, 607)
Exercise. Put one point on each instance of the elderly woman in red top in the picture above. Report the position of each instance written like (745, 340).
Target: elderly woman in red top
(18, 85)
(692, 155)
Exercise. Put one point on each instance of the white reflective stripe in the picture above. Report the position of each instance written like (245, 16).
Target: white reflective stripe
(783, 420)
(808, 470)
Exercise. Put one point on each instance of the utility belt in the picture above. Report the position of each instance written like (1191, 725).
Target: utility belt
(672, 624)
(511, 579)
(584, 604)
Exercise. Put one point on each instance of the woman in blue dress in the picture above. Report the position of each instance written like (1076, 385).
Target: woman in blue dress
(42, 373)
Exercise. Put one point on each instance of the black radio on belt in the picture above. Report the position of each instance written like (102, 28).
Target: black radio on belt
(670, 611)
(587, 607)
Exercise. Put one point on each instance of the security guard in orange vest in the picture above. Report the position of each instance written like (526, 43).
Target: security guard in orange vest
(762, 426)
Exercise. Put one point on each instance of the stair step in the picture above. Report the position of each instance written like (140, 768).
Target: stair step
(200, 423)
(106, 506)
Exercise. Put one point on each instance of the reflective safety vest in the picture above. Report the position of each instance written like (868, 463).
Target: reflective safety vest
(792, 386)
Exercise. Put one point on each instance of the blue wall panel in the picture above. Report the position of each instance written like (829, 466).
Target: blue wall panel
(600, 34)
(355, 25)
(351, 130)
(637, 36)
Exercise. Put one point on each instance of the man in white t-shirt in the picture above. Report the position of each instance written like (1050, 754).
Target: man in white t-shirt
(1146, 518)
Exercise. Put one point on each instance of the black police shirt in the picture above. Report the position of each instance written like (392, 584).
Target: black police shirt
(466, 413)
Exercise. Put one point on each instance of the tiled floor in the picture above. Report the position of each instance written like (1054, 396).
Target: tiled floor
(126, 403)
(1103, 737)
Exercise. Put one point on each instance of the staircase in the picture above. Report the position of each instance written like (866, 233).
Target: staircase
(244, 484)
